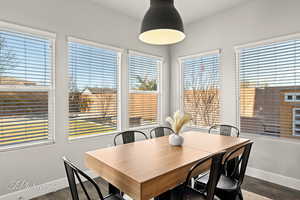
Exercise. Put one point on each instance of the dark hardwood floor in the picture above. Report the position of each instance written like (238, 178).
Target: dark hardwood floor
(270, 190)
(260, 187)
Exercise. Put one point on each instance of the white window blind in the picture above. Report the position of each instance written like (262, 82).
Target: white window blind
(26, 88)
(144, 98)
(268, 72)
(93, 89)
(200, 93)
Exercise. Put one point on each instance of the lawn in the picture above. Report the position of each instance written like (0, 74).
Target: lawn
(12, 132)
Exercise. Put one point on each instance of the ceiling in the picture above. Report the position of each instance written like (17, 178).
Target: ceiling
(190, 10)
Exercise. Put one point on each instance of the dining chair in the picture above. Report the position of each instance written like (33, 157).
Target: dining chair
(74, 173)
(229, 185)
(128, 136)
(224, 129)
(227, 130)
(187, 192)
(160, 131)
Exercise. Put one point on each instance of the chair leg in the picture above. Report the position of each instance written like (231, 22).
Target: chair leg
(227, 195)
(240, 194)
(112, 189)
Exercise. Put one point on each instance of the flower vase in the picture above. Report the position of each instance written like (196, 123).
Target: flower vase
(176, 139)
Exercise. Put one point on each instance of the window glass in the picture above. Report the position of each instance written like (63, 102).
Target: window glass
(93, 90)
(269, 88)
(201, 89)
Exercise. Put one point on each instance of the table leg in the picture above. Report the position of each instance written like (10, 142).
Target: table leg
(164, 196)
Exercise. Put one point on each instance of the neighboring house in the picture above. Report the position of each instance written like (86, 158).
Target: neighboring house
(104, 102)
(203, 105)
(269, 110)
(7, 80)
(290, 111)
(21, 103)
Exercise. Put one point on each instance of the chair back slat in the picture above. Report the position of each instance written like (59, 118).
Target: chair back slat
(226, 130)
(72, 181)
(244, 163)
(82, 186)
(128, 136)
(241, 163)
(160, 131)
(74, 173)
(215, 162)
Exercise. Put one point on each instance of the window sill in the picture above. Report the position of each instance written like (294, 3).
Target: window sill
(138, 128)
(194, 128)
(71, 140)
(26, 145)
(91, 136)
(254, 136)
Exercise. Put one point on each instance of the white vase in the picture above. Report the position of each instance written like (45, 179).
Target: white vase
(175, 140)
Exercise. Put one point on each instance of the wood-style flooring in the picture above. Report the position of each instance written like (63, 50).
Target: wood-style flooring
(252, 185)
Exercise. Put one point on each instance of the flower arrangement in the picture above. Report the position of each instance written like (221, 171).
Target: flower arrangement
(178, 121)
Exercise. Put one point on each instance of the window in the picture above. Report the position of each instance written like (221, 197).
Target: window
(200, 95)
(93, 88)
(26, 87)
(296, 122)
(270, 87)
(292, 97)
(144, 92)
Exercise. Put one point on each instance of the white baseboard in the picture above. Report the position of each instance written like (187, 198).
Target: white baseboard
(61, 183)
(274, 178)
(39, 190)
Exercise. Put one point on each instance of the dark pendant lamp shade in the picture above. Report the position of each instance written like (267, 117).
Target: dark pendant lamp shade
(162, 24)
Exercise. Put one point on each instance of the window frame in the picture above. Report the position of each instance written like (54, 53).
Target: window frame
(181, 80)
(294, 97)
(294, 122)
(159, 90)
(120, 53)
(51, 37)
(237, 50)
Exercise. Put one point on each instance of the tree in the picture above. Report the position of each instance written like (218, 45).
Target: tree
(146, 84)
(6, 56)
(203, 98)
(78, 102)
(106, 103)
(205, 103)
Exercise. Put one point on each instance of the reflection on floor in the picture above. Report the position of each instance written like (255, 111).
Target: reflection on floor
(270, 190)
(254, 189)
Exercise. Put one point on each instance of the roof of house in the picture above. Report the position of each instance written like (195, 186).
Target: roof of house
(95, 90)
(7, 80)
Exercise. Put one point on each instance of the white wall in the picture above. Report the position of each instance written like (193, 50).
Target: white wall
(256, 20)
(253, 21)
(78, 18)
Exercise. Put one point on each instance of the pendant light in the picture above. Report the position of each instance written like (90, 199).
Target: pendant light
(162, 24)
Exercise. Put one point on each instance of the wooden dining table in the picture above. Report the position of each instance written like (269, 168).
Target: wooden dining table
(149, 168)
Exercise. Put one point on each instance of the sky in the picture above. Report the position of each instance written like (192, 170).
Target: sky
(31, 58)
(88, 66)
(273, 65)
(200, 72)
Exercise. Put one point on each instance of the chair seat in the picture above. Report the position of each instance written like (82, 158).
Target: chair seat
(187, 193)
(114, 197)
(225, 183)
